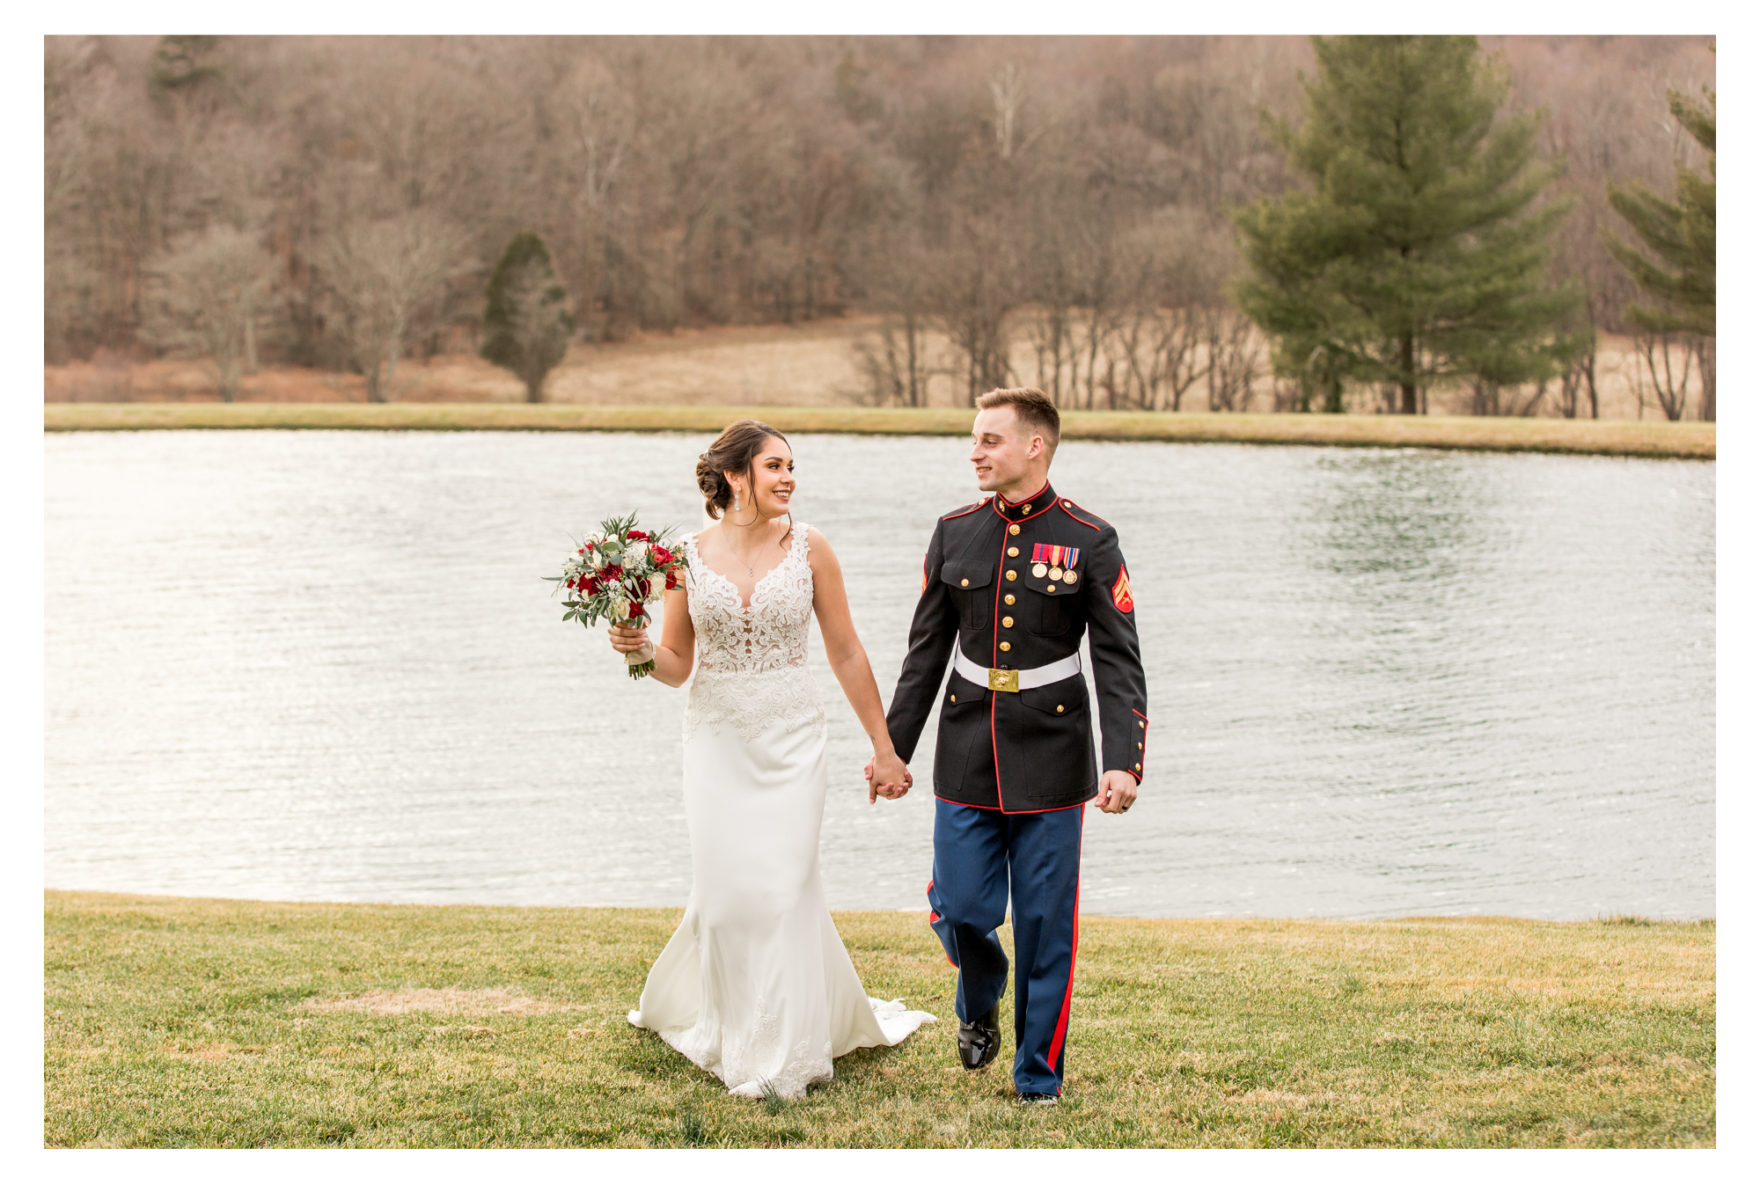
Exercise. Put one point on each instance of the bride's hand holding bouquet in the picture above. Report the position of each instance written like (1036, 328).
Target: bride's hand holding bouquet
(631, 640)
(617, 575)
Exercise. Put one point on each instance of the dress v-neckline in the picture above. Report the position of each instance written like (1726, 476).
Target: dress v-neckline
(746, 605)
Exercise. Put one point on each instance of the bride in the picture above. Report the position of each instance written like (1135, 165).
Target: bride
(755, 986)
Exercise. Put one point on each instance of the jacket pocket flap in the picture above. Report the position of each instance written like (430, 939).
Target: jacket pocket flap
(1055, 587)
(967, 574)
(1068, 696)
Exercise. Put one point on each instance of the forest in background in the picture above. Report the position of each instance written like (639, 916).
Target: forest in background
(1059, 198)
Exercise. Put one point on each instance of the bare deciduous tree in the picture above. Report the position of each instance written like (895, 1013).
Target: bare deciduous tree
(1664, 365)
(1705, 352)
(207, 296)
(384, 278)
(1232, 353)
(973, 290)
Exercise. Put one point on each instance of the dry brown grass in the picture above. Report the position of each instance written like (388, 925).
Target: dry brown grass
(811, 364)
(425, 1000)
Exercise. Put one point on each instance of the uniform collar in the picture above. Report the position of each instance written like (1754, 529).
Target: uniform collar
(1036, 504)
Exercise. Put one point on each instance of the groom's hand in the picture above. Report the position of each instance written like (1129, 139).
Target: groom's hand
(891, 791)
(1118, 790)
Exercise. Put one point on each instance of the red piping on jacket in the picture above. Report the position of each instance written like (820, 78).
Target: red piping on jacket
(995, 637)
(1143, 753)
(1000, 499)
(1064, 503)
(1000, 810)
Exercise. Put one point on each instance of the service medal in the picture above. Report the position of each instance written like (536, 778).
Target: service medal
(1069, 576)
(1039, 569)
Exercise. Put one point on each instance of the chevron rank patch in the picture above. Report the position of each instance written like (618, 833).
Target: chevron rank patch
(1121, 592)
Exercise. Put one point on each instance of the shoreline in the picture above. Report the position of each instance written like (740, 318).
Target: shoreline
(422, 906)
(1632, 439)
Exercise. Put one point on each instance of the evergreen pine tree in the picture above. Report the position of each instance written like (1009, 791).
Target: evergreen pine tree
(1682, 234)
(526, 324)
(1410, 257)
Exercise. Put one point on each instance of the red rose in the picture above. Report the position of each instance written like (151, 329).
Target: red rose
(635, 609)
(635, 534)
(661, 556)
(672, 580)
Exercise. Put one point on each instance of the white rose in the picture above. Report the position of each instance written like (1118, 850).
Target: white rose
(636, 554)
(656, 586)
(597, 558)
(620, 610)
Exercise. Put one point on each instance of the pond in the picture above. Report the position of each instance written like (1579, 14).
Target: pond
(323, 666)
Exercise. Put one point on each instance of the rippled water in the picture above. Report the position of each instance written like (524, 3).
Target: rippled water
(312, 665)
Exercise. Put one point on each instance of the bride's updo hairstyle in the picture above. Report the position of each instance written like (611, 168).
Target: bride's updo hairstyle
(736, 449)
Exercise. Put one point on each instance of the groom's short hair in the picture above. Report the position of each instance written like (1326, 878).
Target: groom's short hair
(1032, 408)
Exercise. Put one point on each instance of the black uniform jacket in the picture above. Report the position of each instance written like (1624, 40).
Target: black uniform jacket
(1030, 750)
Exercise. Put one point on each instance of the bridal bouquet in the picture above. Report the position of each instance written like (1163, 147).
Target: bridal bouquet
(617, 575)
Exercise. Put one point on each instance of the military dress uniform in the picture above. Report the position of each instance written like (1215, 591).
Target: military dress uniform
(1009, 589)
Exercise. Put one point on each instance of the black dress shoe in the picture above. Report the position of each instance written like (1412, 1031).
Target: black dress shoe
(979, 1041)
(1038, 1098)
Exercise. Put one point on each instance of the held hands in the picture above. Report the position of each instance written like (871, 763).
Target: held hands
(887, 777)
(1118, 790)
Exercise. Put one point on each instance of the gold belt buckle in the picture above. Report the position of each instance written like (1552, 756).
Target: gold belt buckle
(1004, 680)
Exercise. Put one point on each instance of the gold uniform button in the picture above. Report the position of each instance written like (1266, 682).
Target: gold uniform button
(1060, 707)
(1007, 623)
(952, 700)
(1142, 723)
(1014, 529)
(1139, 746)
(1013, 551)
(1008, 599)
(1051, 588)
(1138, 766)
(1002, 646)
(1010, 574)
(964, 581)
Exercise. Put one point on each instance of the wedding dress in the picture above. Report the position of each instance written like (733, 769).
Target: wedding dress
(755, 986)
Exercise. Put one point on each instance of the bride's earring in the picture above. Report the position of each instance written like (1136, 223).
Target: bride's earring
(736, 501)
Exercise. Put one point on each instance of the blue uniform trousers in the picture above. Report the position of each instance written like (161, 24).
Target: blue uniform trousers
(983, 860)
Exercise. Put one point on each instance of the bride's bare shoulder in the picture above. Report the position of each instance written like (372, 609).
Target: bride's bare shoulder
(816, 542)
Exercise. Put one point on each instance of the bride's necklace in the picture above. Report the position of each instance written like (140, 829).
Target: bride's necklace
(751, 570)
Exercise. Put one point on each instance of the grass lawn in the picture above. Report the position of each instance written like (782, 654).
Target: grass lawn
(191, 1022)
(1654, 439)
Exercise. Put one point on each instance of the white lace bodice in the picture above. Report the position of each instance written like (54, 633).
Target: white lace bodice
(751, 659)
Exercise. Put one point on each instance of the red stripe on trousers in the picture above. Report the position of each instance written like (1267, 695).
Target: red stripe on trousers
(1069, 988)
(935, 916)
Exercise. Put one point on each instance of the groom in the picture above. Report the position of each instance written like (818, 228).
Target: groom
(1009, 586)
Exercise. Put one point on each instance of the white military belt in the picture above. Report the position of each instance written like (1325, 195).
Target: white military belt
(1013, 679)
